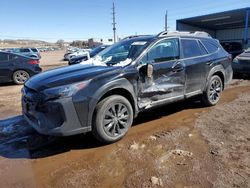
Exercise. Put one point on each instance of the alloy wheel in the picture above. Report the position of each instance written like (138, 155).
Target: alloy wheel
(215, 90)
(116, 120)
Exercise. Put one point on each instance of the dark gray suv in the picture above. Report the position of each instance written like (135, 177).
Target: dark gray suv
(106, 93)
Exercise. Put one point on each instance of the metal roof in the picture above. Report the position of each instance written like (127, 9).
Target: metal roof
(222, 20)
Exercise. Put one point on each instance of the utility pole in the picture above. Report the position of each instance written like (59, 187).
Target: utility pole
(114, 23)
(166, 21)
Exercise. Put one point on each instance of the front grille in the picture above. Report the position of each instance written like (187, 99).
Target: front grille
(31, 95)
(45, 114)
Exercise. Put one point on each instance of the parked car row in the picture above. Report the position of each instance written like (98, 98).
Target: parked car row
(84, 57)
(47, 49)
(71, 54)
(30, 52)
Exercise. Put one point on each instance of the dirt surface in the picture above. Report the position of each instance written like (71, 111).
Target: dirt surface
(178, 145)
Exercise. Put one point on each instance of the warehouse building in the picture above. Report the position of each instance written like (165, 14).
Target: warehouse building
(228, 26)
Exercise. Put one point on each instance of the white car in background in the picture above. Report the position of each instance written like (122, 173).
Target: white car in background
(81, 52)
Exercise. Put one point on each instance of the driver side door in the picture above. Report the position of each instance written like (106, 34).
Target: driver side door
(166, 82)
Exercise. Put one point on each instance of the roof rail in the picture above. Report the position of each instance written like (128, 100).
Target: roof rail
(184, 33)
(134, 36)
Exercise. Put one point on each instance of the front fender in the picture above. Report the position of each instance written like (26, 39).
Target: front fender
(121, 83)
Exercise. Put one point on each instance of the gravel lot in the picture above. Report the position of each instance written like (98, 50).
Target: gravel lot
(178, 145)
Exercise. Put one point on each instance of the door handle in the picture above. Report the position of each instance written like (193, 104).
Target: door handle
(178, 67)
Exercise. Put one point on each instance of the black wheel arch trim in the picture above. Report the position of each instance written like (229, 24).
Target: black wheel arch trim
(122, 84)
(218, 69)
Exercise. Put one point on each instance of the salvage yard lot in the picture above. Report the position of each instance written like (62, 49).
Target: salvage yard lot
(177, 145)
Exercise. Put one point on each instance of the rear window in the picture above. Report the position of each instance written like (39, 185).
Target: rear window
(211, 48)
(191, 48)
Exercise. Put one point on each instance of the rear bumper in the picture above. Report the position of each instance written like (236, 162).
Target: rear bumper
(57, 118)
(35, 71)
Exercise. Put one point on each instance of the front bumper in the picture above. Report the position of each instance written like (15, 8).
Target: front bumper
(58, 117)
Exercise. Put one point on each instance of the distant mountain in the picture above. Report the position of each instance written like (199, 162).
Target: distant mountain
(25, 42)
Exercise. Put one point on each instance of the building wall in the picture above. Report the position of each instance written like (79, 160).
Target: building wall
(186, 27)
(232, 34)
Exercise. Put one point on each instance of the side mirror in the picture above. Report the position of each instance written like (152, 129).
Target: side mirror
(146, 70)
(150, 70)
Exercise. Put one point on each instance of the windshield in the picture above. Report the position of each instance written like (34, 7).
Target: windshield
(122, 53)
(97, 50)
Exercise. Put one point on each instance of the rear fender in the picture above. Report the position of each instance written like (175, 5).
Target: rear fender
(214, 70)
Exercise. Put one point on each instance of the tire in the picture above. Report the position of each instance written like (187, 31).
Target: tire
(213, 92)
(108, 125)
(20, 77)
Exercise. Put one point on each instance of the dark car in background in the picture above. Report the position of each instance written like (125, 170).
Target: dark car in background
(133, 75)
(30, 52)
(233, 48)
(17, 68)
(241, 64)
(93, 52)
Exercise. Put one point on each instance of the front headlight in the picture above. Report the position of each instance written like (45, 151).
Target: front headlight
(65, 90)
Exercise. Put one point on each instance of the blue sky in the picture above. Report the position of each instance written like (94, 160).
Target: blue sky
(51, 20)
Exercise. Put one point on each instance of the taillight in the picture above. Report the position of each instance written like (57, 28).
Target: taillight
(33, 62)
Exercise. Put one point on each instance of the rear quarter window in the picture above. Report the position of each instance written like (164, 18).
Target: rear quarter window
(211, 47)
(191, 48)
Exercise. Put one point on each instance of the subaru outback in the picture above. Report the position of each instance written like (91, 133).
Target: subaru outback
(106, 93)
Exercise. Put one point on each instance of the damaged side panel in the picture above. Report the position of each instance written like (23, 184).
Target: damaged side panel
(165, 84)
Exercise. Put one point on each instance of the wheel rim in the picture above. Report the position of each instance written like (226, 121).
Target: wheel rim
(21, 77)
(215, 90)
(116, 120)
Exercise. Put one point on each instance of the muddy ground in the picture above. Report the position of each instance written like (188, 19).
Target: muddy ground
(178, 145)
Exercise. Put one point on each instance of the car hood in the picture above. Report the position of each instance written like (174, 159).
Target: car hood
(67, 75)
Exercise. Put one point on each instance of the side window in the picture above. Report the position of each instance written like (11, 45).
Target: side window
(3, 57)
(211, 48)
(24, 50)
(203, 49)
(191, 48)
(165, 50)
(12, 57)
